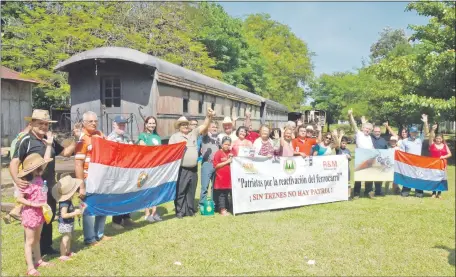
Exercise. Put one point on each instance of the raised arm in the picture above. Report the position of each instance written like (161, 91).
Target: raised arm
(390, 130)
(339, 138)
(352, 120)
(203, 128)
(49, 141)
(424, 118)
(432, 133)
(335, 138)
(319, 133)
(247, 121)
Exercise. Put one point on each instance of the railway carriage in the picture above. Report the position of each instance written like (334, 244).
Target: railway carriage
(122, 81)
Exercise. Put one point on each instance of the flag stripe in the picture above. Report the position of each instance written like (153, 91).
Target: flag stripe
(106, 179)
(134, 156)
(419, 161)
(419, 172)
(118, 204)
(421, 184)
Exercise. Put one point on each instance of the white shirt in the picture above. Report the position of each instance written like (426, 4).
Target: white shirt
(222, 135)
(363, 141)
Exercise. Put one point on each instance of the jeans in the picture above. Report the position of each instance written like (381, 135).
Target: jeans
(207, 175)
(93, 228)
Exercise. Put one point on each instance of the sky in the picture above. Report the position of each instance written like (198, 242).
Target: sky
(339, 33)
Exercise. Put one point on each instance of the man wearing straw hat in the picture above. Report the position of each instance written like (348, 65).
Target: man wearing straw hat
(36, 142)
(228, 129)
(188, 175)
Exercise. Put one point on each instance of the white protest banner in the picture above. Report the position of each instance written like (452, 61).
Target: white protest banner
(374, 164)
(260, 184)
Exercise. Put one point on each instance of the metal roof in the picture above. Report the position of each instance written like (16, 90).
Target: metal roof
(135, 56)
(6, 73)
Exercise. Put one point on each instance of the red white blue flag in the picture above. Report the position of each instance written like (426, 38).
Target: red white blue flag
(420, 172)
(124, 178)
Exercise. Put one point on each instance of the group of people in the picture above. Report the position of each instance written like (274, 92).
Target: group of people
(33, 168)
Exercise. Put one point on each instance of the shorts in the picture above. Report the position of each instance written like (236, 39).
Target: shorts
(65, 228)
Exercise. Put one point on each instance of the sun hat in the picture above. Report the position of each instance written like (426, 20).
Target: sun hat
(32, 162)
(394, 138)
(40, 115)
(227, 120)
(180, 121)
(413, 129)
(65, 188)
(120, 119)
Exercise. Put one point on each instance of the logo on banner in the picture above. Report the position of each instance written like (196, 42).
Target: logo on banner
(329, 165)
(249, 168)
(142, 179)
(289, 166)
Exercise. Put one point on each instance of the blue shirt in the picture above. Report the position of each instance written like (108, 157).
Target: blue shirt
(413, 146)
(198, 147)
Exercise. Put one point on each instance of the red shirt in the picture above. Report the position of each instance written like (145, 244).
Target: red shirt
(223, 174)
(252, 136)
(437, 153)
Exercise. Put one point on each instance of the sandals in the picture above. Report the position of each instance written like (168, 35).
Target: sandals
(43, 264)
(33, 272)
(224, 212)
(64, 258)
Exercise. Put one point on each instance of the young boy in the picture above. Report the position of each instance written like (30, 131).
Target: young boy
(342, 150)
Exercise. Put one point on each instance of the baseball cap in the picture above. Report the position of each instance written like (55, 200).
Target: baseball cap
(120, 119)
(413, 129)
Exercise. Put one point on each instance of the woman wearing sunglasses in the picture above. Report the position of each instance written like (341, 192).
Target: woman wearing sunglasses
(330, 142)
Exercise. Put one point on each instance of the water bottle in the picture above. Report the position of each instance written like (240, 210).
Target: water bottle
(45, 187)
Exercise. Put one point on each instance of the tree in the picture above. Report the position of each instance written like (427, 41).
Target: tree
(391, 42)
(287, 58)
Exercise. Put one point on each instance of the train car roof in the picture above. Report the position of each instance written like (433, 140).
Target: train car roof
(275, 105)
(135, 56)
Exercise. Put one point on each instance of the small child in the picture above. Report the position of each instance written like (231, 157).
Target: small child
(63, 192)
(393, 144)
(342, 150)
(33, 198)
(222, 185)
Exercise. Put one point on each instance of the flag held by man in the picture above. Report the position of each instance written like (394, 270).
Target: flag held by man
(419, 172)
(125, 178)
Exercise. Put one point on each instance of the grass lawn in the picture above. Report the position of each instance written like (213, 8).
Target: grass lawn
(389, 236)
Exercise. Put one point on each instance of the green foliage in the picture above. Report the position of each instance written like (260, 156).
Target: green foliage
(403, 80)
(199, 36)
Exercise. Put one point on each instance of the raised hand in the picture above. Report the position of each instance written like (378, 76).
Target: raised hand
(363, 119)
(299, 123)
(334, 133)
(385, 124)
(248, 114)
(434, 127)
(276, 134)
(210, 112)
(341, 133)
(77, 129)
(350, 112)
(424, 118)
(50, 138)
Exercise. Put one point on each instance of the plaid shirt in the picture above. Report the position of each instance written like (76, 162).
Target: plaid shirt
(124, 138)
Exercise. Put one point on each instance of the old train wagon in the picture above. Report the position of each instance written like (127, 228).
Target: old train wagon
(114, 80)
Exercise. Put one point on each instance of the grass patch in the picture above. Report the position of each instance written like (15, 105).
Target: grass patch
(388, 236)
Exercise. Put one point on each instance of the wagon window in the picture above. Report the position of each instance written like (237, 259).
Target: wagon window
(238, 112)
(185, 99)
(201, 103)
(111, 91)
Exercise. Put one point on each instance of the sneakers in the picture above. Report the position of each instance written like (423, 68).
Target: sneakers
(157, 217)
(117, 227)
(419, 195)
(151, 219)
(404, 194)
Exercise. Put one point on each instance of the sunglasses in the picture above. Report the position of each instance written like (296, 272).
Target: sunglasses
(328, 137)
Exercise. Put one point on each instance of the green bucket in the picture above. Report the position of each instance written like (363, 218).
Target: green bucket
(208, 207)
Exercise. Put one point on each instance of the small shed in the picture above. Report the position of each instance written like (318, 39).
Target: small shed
(16, 94)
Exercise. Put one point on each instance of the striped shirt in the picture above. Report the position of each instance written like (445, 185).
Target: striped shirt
(84, 148)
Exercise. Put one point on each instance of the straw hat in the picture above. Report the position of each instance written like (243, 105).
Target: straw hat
(65, 188)
(227, 120)
(40, 115)
(310, 128)
(180, 121)
(32, 162)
